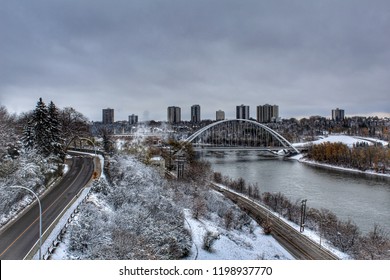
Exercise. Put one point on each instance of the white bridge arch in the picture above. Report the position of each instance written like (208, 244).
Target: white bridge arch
(240, 133)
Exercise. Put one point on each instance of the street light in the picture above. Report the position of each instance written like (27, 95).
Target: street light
(40, 215)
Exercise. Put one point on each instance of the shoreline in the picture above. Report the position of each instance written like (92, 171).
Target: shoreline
(340, 168)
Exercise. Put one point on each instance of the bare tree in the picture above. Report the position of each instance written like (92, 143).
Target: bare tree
(228, 219)
(199, 207)
(374, 246)
(73, 123)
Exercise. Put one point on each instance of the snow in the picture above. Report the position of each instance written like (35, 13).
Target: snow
(318, 239)
(335, 167)
(60, 251)
(307, 232)
(249, 243)
(348, 140)
(60, 225)
(373, 140)
(233, 244)
(66, 168)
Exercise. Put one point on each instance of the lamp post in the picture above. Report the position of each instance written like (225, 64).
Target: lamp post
(40, 216)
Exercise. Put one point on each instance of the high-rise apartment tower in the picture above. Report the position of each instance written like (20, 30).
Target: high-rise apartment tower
(220, 115)
(133, 119)
(242, 112)
(108, 116)
(338, 114)
(267, 113)
(195, 113)
(174, 114)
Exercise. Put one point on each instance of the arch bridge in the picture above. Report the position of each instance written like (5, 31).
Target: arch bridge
(81, 144)
(241, 134)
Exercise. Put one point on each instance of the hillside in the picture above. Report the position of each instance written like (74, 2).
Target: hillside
(142, 216)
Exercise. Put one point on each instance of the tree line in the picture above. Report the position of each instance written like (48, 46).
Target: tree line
(361, 156)
(45, 129)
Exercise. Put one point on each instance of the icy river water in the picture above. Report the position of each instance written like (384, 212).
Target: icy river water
(363, 198)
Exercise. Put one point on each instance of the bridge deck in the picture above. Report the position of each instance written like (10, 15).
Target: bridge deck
(238, 148)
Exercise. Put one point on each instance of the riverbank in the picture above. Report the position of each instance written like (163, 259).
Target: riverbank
(304, 160)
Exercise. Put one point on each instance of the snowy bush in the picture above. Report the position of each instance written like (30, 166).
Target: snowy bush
(135, 218)
(87, 234)
(30, 170)
(209, 239)
(100, 186)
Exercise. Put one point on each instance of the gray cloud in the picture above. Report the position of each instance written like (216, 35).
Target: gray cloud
(136, 56)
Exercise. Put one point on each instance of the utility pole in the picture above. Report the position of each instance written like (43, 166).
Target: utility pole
(303, 215)
(180, 166)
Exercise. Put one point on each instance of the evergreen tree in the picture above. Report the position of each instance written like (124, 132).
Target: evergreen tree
(43, 131)
(55, 131)
(41, 128)
(28, 136)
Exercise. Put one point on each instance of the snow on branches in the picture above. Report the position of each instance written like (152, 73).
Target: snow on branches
(43, 131)
(132, 219)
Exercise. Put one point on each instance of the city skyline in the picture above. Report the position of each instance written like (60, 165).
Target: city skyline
(141, 57)
(263, 113)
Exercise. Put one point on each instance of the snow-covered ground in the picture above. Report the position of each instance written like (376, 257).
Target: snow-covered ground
(246, 244)
(307, 232)
(348, 140)
(233, 244)
(330, 166)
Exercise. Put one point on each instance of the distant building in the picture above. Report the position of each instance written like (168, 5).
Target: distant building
(174, 114)
(338, 114)
(133, 119)
(108, 116)
(195, 113)
(267, 113)
(220, 115)
(242, 112)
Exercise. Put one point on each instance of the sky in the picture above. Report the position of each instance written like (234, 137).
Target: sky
(141, 56)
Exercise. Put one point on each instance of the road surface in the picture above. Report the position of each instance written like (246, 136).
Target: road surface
(17, 239)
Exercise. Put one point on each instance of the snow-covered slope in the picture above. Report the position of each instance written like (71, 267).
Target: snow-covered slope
(243, 242)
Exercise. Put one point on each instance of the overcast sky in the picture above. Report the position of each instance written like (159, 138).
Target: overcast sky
(141, 56)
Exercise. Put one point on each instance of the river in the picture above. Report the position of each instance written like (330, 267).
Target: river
(365, 199)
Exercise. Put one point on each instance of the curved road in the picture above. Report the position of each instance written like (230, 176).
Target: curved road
(17, 239)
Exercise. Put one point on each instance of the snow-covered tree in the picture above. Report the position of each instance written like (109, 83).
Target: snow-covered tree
(7, 133)
(43, 131)
(56, 142)
(135, 218)
(41, 128)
